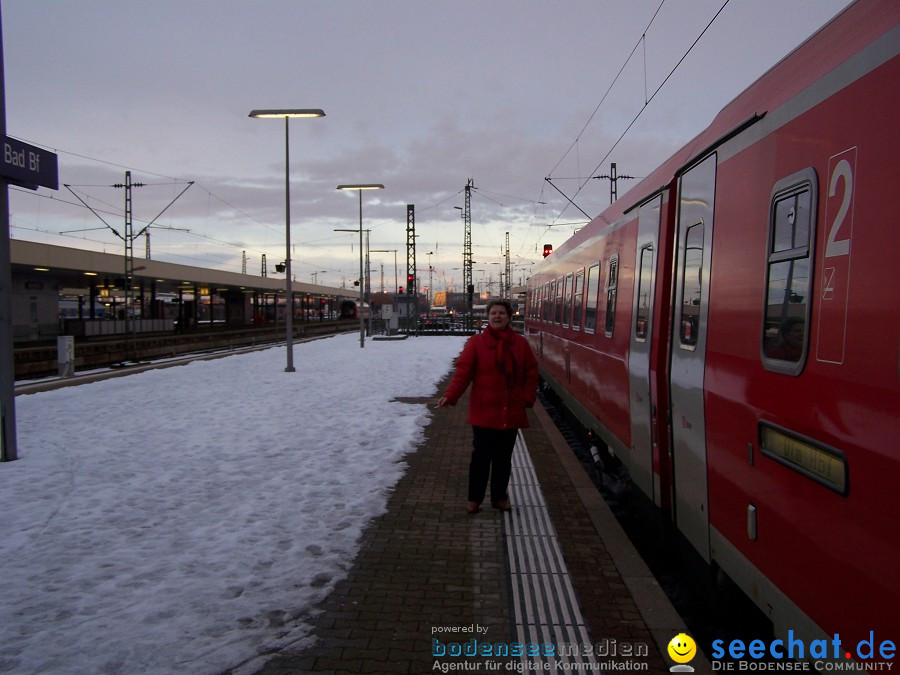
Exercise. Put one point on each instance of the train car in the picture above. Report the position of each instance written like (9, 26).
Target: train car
(348, 310)
(68, 309)
(729, 330)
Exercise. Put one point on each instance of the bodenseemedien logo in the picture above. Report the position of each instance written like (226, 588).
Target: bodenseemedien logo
(682, 649)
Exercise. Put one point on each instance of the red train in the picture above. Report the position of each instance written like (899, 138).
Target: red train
(731, 331)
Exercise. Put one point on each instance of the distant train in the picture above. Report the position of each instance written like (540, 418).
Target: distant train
(731, 331)
(349, 309)
(69, 309)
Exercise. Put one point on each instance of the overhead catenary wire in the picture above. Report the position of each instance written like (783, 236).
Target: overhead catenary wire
(173, 181)
(609, 89)
(113, 211)
(658, 89)
(59, 151)
(647, 101)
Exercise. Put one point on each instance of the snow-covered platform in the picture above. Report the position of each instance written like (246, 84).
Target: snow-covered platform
(435, 589)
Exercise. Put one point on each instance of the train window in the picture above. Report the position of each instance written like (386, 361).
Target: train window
(644, 294)
(788, 274)
(692, 285)
(577, 296)
(593, 296)
(612, 285)
(545, 301)
(548, 306)
(560, 300)
(567, 304)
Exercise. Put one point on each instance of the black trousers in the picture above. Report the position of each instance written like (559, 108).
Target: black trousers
(491, 456)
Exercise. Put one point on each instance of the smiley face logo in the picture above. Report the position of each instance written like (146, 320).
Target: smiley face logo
(682, 648)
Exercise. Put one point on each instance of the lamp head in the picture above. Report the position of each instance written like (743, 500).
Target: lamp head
(362, 186)
(288, 112)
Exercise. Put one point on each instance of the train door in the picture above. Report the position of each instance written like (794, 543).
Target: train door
(688, 351)
(642, 403)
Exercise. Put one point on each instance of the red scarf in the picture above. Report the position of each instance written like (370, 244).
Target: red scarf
(505, 359)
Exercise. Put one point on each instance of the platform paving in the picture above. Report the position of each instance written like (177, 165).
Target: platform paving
(427, 570)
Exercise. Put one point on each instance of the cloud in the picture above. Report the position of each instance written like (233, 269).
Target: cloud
(418, 96)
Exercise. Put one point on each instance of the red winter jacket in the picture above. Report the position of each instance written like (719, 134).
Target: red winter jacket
(504, 376)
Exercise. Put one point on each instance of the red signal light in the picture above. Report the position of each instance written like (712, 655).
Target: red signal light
(548, 249)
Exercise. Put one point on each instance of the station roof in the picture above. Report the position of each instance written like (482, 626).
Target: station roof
(74, 269)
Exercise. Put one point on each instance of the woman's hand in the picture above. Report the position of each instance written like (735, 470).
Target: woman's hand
(443, 402)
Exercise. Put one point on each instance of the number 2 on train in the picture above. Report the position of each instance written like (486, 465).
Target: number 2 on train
(835, 293)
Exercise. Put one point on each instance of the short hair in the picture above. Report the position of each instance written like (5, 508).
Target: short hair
(500, 301)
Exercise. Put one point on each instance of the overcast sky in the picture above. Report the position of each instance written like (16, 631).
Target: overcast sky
(418, 95)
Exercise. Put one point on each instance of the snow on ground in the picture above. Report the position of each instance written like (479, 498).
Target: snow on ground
(187, 519)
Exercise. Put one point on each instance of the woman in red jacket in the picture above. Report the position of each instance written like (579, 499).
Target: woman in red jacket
(504, 375)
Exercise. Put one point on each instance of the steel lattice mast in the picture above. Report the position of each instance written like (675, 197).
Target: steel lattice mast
(467, 250)
(412, 284)
(507, 276)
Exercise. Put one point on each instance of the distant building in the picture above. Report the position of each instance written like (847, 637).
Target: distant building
(457, 303)
(403, 304)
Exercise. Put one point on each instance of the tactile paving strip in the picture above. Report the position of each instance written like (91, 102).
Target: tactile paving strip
(544, 602)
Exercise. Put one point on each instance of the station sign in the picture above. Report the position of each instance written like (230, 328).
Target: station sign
(28, 165)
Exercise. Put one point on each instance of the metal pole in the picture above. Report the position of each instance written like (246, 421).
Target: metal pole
(8, 447)
(469, 288)
(368, 280)
(412, 313)
(362, 321)
(288, 286)
(396, 273)
(130, 320)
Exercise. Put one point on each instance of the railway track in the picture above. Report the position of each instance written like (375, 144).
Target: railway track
(711, 606)
(99, 358)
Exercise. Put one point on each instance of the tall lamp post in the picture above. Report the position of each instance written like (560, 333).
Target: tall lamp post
(430, 281)
(362, 287)
(394, 251)
(359, 187)
(287, 114)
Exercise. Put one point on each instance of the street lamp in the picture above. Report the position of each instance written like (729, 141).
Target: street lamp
(287, 114)
(362, 278)
(394, 251)
(430, 280)
(359, 187)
